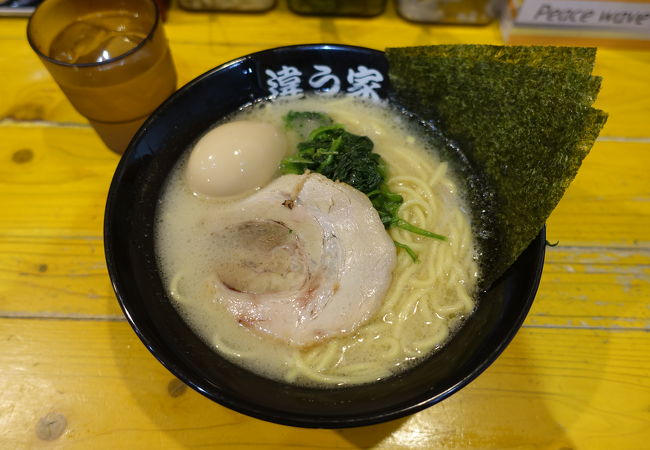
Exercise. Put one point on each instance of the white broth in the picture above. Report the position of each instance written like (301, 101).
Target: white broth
(424, 303)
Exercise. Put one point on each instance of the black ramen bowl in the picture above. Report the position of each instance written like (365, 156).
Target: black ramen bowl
(132, 265)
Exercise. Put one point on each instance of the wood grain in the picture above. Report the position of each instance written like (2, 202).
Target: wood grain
(200, 42)
(53, 199)
(74, 375)
(544, 392)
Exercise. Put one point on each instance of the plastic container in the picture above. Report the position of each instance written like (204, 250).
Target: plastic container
(362, 8)
(470, 12)
(227, 5)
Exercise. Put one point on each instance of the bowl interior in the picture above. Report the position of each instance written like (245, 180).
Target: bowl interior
(129, 227)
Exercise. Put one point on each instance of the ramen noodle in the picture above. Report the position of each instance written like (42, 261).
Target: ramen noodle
(425, 303)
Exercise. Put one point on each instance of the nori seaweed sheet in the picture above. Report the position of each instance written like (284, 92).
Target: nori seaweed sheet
(459, 75)
(525, 128)
(575, 59)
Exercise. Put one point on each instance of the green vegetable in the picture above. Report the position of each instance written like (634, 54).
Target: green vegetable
(523, 118)
(304, 122)
(409, 250)
(387, 204)
(342, 156)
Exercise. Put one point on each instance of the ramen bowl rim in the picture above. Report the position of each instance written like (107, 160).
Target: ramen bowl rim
(171, 361)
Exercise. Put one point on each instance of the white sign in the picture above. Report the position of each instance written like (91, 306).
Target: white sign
(627, 16)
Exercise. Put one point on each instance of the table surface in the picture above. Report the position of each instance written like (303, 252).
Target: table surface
(73, 374)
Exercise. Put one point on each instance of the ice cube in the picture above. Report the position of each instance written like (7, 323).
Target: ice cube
(116, 45)
(77, 40)
(84, 42)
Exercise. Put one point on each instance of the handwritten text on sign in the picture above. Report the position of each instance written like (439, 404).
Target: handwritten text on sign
(632, 16)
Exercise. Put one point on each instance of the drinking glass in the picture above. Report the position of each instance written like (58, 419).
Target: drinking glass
(110, 58)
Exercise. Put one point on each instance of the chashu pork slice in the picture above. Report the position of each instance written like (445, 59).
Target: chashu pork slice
(303, 260)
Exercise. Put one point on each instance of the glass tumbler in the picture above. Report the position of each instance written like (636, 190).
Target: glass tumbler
(110, 58)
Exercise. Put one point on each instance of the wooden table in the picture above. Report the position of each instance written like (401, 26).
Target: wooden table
(73, 374)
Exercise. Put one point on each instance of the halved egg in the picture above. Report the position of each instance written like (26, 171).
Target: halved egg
(235, 158)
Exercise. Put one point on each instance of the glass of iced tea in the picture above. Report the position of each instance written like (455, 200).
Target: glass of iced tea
(110, 58)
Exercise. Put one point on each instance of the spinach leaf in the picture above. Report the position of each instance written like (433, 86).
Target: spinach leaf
(304, 122)
(342, 156)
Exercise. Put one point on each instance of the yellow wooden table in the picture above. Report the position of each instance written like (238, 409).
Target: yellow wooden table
(74, 375)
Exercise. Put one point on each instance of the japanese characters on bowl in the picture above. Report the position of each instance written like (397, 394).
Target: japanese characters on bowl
(359, 81)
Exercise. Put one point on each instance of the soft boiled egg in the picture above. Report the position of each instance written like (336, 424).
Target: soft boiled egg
(234, 158)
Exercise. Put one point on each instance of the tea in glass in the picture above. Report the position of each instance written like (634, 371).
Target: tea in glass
(110, 58)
